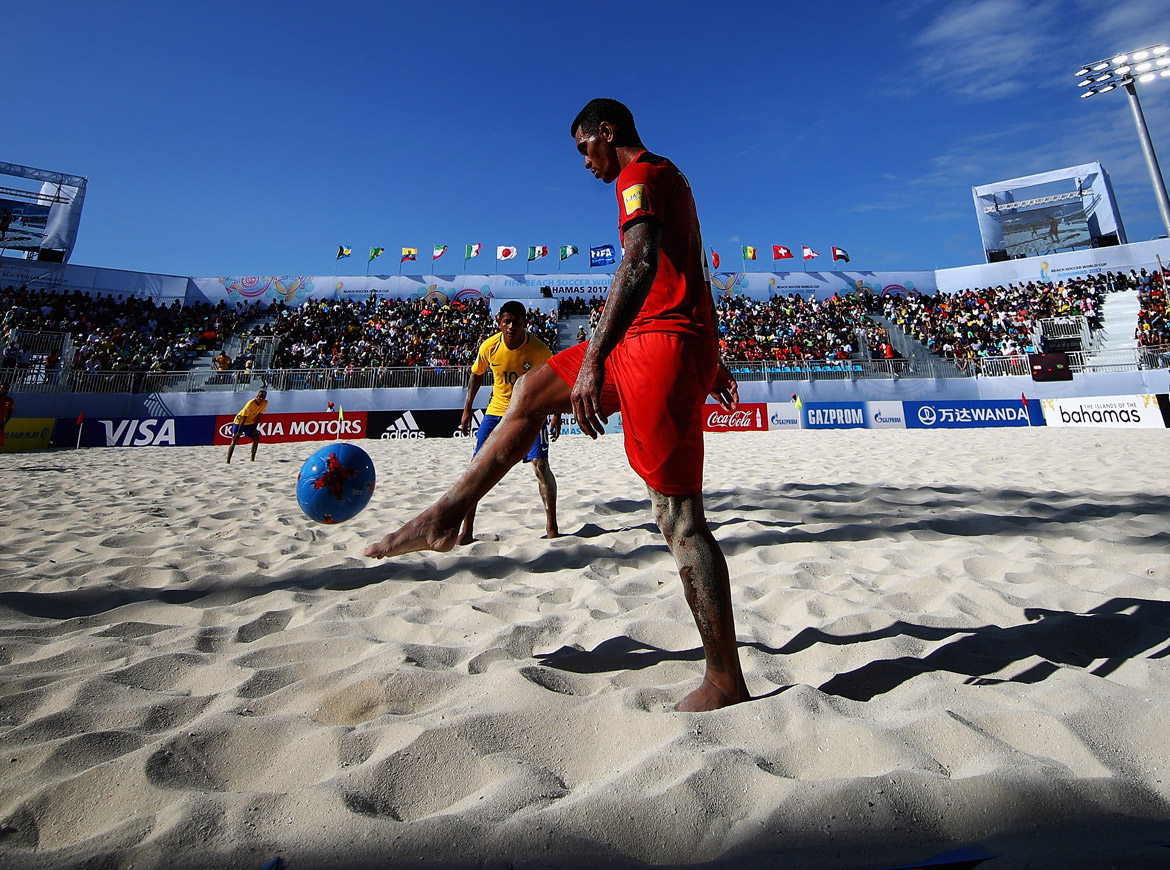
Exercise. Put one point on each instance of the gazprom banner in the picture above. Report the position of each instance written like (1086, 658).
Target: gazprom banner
(973, 414)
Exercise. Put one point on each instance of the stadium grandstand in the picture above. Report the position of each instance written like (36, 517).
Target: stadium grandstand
(67, 340)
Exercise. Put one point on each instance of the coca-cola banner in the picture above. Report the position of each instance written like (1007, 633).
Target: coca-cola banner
(748, 417)
(278, 428)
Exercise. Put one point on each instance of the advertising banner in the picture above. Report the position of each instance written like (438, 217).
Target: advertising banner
(885, 415)
(27, 433)
(136, 432)
(835, 415)
(748, 417)
(972, 414)
(417, 425)
(283, 428)
(783, 415)
(1123, 412)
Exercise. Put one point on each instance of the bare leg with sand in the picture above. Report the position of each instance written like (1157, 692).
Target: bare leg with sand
(538, 394)
(707, 587)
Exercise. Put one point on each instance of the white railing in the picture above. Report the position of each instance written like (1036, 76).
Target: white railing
(278, 380)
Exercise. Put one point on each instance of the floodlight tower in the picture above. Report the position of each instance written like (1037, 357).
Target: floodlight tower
(1125, 70)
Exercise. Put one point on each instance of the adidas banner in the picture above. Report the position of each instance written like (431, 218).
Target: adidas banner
(415, 425)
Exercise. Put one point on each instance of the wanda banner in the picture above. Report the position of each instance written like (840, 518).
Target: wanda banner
(748, 417)
(279, 428)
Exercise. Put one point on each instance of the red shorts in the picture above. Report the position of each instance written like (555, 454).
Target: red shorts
(659, 381)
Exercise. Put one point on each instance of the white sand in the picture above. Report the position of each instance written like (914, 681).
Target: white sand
(956, 640)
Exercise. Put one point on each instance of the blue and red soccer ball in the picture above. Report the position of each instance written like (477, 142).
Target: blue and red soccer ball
(335, 483)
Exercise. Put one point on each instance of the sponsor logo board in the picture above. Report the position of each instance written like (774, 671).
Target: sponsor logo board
(885, 415)
(283, 428)
(1124, 412)
(613, 426)
(748, 417)
(974, 414)
(835, 415)
(783, 415)
(135, 432)
(27, 433)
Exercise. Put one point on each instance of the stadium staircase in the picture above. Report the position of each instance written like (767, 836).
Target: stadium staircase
(1120, 318)
(911, 348)
(567, 329)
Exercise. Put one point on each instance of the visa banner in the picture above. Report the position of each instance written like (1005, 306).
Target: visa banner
(972, 414)
(135, 432)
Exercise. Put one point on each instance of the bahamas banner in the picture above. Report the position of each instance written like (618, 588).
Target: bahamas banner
(27, 433)
(1122, 412)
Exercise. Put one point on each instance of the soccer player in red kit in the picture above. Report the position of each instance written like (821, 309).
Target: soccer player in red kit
(654, 356)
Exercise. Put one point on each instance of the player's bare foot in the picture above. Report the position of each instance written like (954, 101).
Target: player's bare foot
(465, 539)
(552, 533)
(709, 697)
(421, 533)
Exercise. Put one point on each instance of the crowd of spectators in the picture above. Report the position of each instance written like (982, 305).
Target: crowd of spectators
(792, 328)
(990, 321)
(133, 334)
(388, 333)
(117, 333)
(1153, 329)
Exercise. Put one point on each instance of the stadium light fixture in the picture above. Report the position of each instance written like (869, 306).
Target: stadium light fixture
(1120, 70)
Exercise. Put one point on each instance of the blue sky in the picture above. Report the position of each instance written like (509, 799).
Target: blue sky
(254, 138)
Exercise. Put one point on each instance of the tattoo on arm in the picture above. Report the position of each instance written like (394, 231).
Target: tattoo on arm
(631, 285)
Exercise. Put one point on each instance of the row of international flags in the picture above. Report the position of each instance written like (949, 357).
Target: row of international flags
(780, 252)
(600, 255)
(503, 252)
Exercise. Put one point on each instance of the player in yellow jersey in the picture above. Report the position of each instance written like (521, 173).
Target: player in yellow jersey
(511, 353)
(247, 422)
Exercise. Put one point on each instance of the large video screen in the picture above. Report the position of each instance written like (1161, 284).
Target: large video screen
(40, 211)
(1047, 213)
(22, 224)
(1046, 230)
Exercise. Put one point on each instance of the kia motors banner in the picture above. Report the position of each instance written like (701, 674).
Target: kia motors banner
(1125, 412)
(972, 414)
(27, 433)
(748, 417)
(281, 428)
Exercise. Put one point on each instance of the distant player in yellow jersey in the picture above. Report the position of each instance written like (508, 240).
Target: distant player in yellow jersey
(511, 353)
(247, 422)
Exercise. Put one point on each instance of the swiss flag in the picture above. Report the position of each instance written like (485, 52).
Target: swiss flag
(779, 252)
(714, 259)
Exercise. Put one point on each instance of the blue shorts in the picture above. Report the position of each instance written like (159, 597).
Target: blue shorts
(249, 429)
(491, 421)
